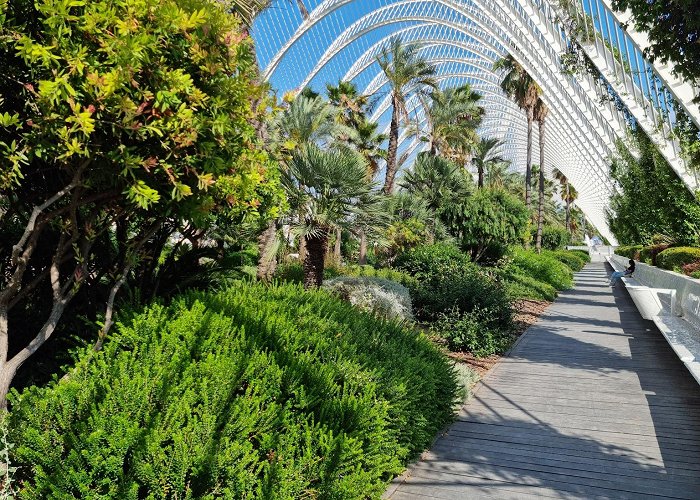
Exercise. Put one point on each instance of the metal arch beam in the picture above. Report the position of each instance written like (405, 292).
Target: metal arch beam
(682, 91)
(359, 28)
(461, 11)
(368, 58)
(626, 90)
(606, 144)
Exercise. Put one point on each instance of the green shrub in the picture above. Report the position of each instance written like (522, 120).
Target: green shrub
(425, 260)
(553, 237)
(465, 288)
(473, 332)
(385, 298)
(648, 254)
(250, 392)
(523, 286)
(581, 253)
(544, 267)
(386, 273)
(676, 257)
(631, 252)
(572, 260)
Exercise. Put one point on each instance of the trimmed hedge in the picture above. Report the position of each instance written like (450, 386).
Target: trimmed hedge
(544, 267)
(249, 392)
(676, 257)
(553, 237)
(293, 272)
(648, 254)
(631, 252)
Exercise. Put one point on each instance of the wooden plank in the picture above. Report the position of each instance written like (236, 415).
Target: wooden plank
(592, 403)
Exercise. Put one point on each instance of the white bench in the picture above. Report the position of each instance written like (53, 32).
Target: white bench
(680, 327)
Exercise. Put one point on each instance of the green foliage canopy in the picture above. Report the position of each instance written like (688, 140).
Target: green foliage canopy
(653, 199)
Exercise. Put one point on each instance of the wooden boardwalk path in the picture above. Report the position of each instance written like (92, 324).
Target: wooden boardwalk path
(591, 403)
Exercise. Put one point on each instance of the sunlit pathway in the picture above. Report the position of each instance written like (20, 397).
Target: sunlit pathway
(591, 403)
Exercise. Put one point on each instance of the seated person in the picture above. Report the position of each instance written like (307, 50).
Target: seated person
(614, 277)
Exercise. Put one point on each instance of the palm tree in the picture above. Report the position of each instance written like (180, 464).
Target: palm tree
(302, 9)
(349, 101)
(436, 180)
(327, 187)
(453, 116)
(520, 87)
(406, 71)
(307, 120)
(498, 176)
(568, 196)
(485, 156)
(540, 115)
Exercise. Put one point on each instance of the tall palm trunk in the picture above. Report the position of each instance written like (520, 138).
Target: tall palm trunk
(336, 248)
(568, 208)
(267, 262)
(528, 165)
(540, 207)
(480, 182)
(302, 9)
(393, 147)
(363, 248)
(316, 247)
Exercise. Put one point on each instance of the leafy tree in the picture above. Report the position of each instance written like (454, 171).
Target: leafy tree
(653, 200)
(487, 222)
(406, 71)
(485, 156)
(326, 188)
(121, 121)
(673, 29)
(540, 116)
(520, 87)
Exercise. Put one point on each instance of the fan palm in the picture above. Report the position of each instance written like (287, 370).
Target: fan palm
(485, 156)
(520, 87)
(328, 189)
(436, 180)
(540, 115)
(498, 175)
(406, 71)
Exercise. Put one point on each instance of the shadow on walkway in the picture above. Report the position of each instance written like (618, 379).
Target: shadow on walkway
(591, 403)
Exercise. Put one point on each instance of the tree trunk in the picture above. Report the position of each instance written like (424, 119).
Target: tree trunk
(302, 248)
(568, 209)
(363, 248)
(540, 207)
(302, 9)
(528, 170)
(393, 147)
(336, 247)
(480, 183)
(267, 260)
(316, 247)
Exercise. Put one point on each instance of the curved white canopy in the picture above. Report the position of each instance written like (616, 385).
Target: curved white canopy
(340, 40)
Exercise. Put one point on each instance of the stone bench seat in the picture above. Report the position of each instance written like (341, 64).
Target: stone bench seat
(679, 326)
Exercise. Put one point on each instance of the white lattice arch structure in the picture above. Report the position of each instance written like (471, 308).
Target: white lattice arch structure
(341, 39)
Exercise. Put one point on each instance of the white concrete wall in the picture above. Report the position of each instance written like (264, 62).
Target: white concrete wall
(660, 278)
